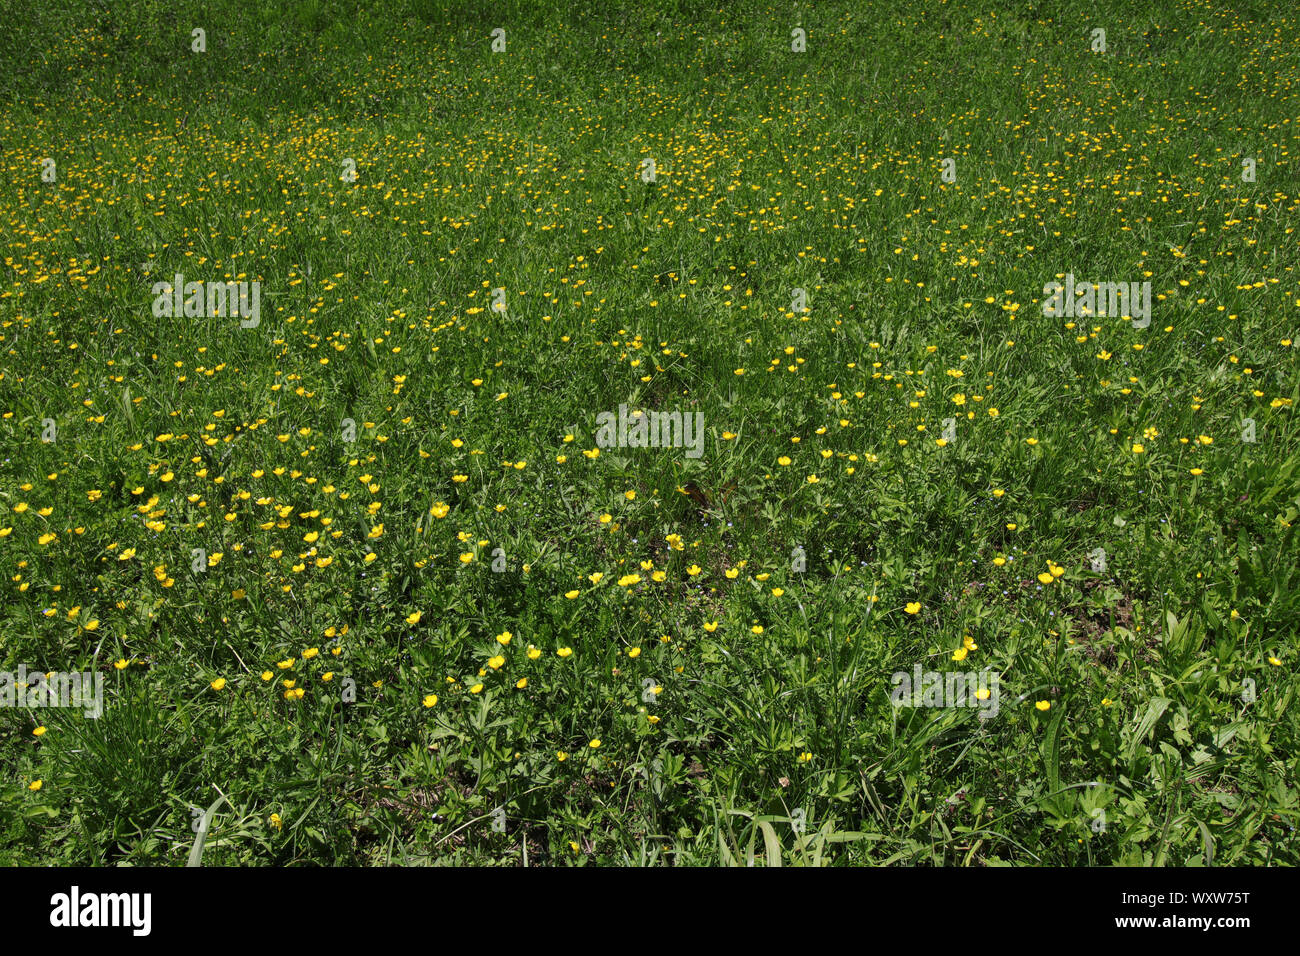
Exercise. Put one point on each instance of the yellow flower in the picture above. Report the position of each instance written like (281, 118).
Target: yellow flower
(476, 689)
(757, 629)
(571, 594)
(218, 684)
(561, 756)
(960, 654)
(913, 607)
(595, 743)
(413, 618)
(595, 577)
(1045, 578)
(710, 626)
(121, 664)
(534, 652)
(430, 700)
(1044, 705)
(496, 662)
(34, 785)
(38, 732)
(276, 821)
(521, 683)
(439, 510)
(564, 651)
(267, 675)
(634, 652)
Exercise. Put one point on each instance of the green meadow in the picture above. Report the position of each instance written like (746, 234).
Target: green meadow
(331, 339)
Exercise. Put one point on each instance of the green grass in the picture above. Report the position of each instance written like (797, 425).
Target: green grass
(1126, 732)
